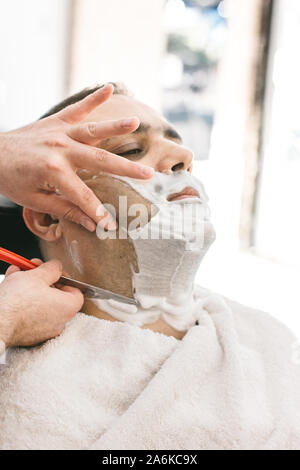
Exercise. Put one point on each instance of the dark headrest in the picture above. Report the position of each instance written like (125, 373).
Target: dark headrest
(14, 235)
(7, 206)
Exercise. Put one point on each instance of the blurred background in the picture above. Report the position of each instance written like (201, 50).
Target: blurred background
(225, 73)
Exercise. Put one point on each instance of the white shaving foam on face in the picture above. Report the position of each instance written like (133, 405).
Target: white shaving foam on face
(164, 285)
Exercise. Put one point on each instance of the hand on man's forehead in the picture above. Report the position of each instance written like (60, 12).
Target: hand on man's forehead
(122, 106)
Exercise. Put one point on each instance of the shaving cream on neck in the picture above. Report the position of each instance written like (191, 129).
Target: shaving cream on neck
(169, 250)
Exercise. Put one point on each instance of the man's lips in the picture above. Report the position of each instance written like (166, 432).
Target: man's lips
(184, 194)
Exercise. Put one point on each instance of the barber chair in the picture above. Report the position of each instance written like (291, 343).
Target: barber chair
(14, 235)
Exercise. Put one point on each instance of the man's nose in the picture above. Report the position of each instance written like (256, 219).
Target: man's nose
(176, 158)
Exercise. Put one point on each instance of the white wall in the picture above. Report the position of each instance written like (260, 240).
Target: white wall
(224, 173)
(278, 222)
(33, 58)
(118, 40)
(255, 280)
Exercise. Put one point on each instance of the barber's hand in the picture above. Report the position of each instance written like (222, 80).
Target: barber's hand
(38, 162)
(31, 311)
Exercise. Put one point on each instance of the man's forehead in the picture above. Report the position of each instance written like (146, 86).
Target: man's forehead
(122, 106)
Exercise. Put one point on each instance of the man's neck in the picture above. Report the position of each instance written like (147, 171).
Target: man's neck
(159, 326)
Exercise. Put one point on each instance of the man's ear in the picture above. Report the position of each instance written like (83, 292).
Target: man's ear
(42, 225)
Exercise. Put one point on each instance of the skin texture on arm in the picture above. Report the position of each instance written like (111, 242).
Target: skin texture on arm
(38, 163)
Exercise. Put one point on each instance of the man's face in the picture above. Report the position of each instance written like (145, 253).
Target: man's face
(155, 143)
(109, 263)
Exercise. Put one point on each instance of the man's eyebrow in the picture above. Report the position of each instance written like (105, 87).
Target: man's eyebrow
(172, 133)
(167, 131)
(142, 128)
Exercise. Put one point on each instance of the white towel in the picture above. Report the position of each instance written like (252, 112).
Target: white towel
(231, 383)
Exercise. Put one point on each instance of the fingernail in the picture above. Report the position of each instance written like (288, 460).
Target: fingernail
(111, 225)
(108, 224)
(88, 224)
(127, 122)
(146, 171)
(109, 85)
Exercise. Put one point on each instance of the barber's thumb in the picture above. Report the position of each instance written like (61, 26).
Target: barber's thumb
(50, 271)
(67, 210)
(75, 297)
(12, 270)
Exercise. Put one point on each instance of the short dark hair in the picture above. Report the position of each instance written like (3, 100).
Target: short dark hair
(119, 89)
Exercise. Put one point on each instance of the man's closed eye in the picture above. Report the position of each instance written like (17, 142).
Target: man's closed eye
(131, 153)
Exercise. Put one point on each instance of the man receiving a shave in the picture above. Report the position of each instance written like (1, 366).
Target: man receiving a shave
(183, 369)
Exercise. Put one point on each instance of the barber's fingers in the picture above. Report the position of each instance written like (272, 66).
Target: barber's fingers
(50, 272)
(12, 270)
(78, 111)
(75, 296)
(93, 132)
(97, 160)
(37, 261)
(62, 208)
(75, 190)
